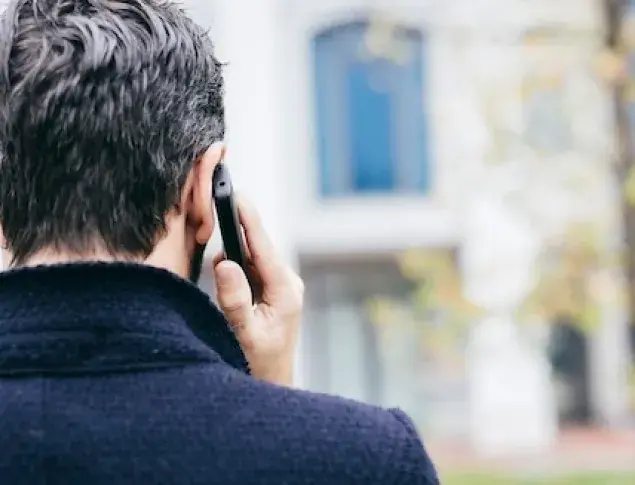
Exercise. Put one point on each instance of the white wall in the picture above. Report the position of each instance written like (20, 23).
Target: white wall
(257, 156)
(369, 224)
(472, 43)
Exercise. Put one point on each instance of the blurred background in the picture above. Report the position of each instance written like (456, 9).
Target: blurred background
(455, 180)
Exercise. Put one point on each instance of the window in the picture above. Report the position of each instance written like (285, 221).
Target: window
(371, 125)
(546, 115)
(389, 363)
(547, 124)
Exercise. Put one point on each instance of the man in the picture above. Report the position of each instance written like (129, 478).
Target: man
(114, 369)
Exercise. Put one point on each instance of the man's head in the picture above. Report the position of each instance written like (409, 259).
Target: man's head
(110, 118)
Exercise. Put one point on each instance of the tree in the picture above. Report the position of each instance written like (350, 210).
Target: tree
(612, 65)
(620, 48)
(437, 311)
(573, 280)
(576, 272)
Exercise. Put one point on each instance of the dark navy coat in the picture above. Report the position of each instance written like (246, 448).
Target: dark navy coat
(123, 374)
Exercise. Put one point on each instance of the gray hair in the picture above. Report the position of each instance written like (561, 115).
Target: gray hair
(104, 106)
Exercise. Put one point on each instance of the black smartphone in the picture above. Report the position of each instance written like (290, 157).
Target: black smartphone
(228, 220)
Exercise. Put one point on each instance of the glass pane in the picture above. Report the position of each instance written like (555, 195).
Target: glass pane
(347, 352)
(346, 365)
(330, 131)
(370, 130)
(371, 127)
(411, 129)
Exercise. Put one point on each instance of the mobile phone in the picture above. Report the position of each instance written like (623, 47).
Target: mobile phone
(228, 220)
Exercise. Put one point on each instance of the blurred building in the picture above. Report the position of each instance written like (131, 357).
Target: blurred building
(366, 128)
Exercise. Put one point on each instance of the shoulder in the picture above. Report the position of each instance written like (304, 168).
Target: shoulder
(348, 438)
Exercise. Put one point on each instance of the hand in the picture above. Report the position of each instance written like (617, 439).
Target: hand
(266, 329)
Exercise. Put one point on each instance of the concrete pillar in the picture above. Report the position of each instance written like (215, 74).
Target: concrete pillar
(247, 37)
(609, 369)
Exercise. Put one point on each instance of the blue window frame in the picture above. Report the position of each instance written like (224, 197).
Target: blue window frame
(372, 134)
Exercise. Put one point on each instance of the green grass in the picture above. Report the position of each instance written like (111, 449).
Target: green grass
(579, 479)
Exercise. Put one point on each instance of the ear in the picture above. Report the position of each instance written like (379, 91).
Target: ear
(202, 212)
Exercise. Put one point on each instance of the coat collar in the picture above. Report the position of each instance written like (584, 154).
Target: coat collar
(95, 317)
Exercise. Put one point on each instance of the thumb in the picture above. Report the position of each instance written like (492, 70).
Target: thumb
(234, 294)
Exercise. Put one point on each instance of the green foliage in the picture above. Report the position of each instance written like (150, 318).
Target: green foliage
(573, 279)
(628, 188)
(597, 478)
(570, 280)
(439, 283)
(436, 308)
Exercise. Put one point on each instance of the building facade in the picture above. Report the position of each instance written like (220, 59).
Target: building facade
(452, 126)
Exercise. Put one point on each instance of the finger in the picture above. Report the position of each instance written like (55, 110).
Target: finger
(261, 249)
(253, 278)
(234, 294)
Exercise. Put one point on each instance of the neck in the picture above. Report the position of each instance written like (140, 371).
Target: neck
(55, 258)
(50, 257)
